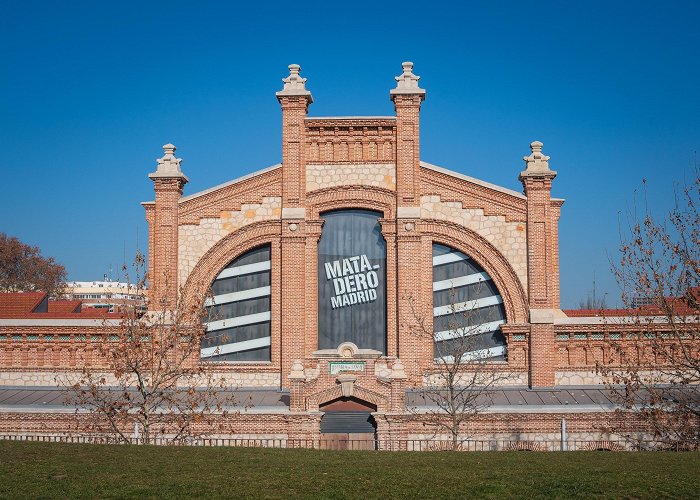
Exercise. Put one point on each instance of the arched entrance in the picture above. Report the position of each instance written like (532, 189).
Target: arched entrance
(348, 424)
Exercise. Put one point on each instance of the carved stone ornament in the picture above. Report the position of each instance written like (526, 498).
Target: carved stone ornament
(347, 383)
(294, 84)
(347, 350)
(168, 165)
(537, 164)
(382, 371)
(407, 82)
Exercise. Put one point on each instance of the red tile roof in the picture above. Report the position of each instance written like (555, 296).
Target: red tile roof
(22, 305)
(606, 313)
(64, 306)
(18, 305)
(681, 308)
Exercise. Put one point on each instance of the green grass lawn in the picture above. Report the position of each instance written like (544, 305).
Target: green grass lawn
(52, 470)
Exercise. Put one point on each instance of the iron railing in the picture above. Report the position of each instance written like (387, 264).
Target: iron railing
(365, 444)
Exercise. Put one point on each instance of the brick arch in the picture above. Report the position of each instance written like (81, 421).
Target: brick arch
(340, 197)
(603, 446)
(524, 446)
(359, 392)
(487, 256)
(223, 252)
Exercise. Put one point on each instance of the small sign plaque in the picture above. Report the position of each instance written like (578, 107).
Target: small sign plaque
(336, 367)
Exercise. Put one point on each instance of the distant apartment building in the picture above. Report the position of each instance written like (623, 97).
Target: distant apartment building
(108, 295)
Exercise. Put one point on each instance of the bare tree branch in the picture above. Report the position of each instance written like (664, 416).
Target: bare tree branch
(461, 383)
(151, 377)
(656, 374)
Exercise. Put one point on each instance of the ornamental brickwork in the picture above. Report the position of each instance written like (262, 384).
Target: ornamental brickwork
(373, 163)
(350, 163)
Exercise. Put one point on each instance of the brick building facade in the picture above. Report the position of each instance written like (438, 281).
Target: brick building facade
(302, 315)
(371, 164)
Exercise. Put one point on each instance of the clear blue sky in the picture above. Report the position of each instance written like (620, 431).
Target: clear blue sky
(90, 91)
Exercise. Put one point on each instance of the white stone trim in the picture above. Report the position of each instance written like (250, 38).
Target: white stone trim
(293, 213)
(245, 345)
(461, 281)
(491, 352)
(529, 409)
(46, 378)
(59, 322)
(541, 316)
(408, 212)
(609, 320)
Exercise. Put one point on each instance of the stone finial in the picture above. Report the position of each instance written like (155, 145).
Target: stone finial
(537, 164)
(294, 84)
(169, 166)
(407, 82)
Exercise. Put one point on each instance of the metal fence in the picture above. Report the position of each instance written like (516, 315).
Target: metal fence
(365, 444)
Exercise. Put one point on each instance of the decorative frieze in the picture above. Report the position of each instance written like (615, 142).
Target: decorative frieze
(350, 140)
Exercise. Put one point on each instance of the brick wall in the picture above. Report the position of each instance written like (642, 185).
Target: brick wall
(353, 162)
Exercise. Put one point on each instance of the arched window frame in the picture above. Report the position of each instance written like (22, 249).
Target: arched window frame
(467, 307)
(241, 306)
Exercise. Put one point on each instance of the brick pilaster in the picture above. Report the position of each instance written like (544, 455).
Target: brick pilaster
(389, 234)
(293, 305)
(294, 100)
(410, 275)
(168, 182)
(313, 235)
(407, 98)
(542, 258)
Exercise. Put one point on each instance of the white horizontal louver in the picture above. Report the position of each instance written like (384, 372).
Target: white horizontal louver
(225, 298)
(458, 324)
(491, 352)
(238, 326)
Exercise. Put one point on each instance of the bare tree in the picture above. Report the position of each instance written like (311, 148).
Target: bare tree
(23, 269)
(150, 384)
(656, 370)
(461, 383)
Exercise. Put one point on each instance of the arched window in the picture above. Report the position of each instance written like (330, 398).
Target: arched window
(467, 308)
(352, 280)
(238, 313)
